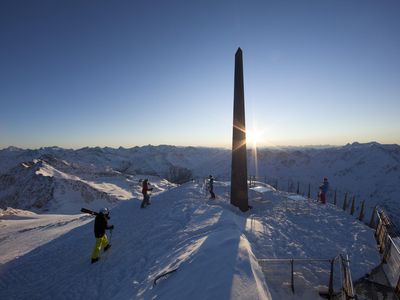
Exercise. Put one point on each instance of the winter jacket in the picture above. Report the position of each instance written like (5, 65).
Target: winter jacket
(145, 188)
(211, 184)
(100, 225)
(324, 187)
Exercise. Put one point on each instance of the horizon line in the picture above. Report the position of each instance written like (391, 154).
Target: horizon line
(191, 146)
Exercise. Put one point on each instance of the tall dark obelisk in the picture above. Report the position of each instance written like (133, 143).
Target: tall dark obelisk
(239, 196)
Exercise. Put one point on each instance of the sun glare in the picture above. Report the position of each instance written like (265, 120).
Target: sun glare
(254, 136)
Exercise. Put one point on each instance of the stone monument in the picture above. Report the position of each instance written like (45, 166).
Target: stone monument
(239, 195)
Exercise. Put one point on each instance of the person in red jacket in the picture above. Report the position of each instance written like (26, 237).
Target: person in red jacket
(146, 196)
(323, 190)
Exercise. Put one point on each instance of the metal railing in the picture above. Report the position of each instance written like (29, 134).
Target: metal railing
(387, 238)
(303, 275)
(347, 282)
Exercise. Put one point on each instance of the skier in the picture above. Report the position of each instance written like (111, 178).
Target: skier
(211, 186)
(146, 196)
(100, 226)
(323, 190)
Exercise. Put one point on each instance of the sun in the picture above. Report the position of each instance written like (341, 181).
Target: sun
(254, 136)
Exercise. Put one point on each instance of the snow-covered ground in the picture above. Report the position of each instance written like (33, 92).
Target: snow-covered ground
(214, 246)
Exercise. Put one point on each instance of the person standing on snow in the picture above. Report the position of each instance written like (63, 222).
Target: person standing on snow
(211, 186)
(146, 196)
(323, 190)
(100, 226)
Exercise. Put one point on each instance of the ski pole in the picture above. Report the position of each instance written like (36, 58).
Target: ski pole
(110, 235)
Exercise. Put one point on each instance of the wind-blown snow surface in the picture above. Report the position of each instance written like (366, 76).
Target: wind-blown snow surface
(214, 246)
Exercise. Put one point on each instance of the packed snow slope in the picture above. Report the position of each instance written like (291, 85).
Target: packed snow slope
(214, 246)
(368, 171)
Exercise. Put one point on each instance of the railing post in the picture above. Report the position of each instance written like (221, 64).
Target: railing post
(330, 289)
(378, 227)
(347, 283)
(309, 191)
(353, 206)
(334, 198)
(292, 279)
(381, 233)
(383, 237)
(361, 216)
(350, 281)
(397, 291)
(372, 221)
(298, 188)
(345, 201)
(386, 253)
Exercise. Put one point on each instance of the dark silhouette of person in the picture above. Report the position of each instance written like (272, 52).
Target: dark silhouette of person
(211, 186)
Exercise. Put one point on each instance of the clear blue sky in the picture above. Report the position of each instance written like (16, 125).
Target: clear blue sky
(126, 73)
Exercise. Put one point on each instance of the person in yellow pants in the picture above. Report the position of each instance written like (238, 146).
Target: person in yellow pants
(100, 226)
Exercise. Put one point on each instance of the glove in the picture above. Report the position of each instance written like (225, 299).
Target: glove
(111, 227)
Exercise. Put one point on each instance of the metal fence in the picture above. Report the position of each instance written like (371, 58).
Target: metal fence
(387, 237)
(310, 278)
(386, 233)
(347, 282)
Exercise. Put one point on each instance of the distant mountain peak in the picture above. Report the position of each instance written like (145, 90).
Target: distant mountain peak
(362, 145)
(12, 148)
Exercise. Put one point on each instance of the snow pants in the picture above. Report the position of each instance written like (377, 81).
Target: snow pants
(212, 194)
(146, 200)
(322, 198)
(100, 243)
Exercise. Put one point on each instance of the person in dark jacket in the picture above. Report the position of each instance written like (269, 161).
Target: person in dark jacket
(211, 186)
(146, 196)
(100, 226)
(323, 190)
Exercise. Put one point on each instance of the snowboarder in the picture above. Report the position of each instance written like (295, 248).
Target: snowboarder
(211, 186)
(100, 226)
(323, 190)
(146, 196)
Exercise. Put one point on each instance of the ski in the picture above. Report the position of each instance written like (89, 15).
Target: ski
(88, 211)
(162, 275)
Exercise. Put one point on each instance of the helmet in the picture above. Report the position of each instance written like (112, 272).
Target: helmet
(104, 211)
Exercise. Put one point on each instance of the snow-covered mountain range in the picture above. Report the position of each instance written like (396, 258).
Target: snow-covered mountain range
(49, 178)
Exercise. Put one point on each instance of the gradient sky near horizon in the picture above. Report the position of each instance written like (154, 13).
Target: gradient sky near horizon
(126, 73)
